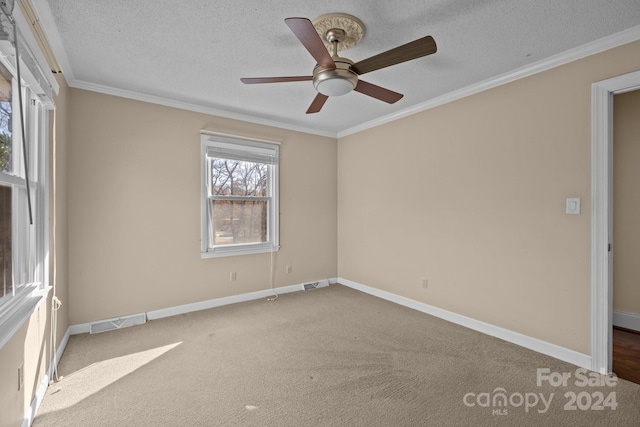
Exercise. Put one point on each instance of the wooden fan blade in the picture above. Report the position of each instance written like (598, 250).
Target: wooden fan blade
(317, 103)
(308, 36)
(412, 50)
(378, 92)
(255, 80)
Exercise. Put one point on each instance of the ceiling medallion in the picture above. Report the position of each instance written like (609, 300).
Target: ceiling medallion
(353, 29)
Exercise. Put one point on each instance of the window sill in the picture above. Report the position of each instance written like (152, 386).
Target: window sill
(18, 312)
(224, 251)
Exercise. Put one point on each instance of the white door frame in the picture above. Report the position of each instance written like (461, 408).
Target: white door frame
(602, 215)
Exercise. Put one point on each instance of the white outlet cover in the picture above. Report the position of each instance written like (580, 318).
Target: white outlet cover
(573, 206)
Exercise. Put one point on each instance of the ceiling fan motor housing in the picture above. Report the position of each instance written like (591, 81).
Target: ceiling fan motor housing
(335, 81)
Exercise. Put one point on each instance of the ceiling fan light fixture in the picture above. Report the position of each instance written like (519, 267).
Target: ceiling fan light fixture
(335, 81)
(335, 86)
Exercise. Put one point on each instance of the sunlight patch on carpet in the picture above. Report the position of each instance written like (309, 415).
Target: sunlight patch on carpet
(79, 385)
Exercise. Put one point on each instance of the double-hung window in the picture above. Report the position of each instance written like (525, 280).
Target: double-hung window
(23, 191)
(239, 195)
(24, 246)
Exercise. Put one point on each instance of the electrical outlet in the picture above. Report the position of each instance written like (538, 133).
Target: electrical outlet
(20, 377)
(233, 276)
(425, 283)
(289, 269)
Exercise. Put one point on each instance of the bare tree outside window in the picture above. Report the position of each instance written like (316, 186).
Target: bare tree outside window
(240, 201)
(5, 120)
(6, 281)
(239, 205)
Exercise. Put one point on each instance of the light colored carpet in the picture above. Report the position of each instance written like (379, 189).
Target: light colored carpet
(326, 357)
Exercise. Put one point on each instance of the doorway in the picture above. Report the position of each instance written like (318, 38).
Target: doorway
(601, 216)
(626, 235)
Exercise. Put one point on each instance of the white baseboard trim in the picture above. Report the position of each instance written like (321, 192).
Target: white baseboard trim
(84, 328)
(44, 384)
(580, 359)
(35, 403)
(626, 320)
(155, 314)
(61, 347)
(218, 302)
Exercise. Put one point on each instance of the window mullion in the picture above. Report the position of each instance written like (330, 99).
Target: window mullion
(247, 198)
(16, 181)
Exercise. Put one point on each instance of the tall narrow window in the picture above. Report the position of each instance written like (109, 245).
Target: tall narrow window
(23, 178)
(240, 203)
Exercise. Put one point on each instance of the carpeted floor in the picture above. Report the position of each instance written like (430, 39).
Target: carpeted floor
(327, 357)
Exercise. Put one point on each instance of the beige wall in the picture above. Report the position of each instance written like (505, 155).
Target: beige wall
(31, 346)
(134, 209)
(626, 203)
(58, 224)
(471, 196)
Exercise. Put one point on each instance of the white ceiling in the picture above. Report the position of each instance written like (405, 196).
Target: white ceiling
(196, 51)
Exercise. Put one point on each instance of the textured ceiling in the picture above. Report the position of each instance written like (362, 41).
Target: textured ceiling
(196, 51)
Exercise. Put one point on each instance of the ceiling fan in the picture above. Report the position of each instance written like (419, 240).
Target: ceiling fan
(334, 75)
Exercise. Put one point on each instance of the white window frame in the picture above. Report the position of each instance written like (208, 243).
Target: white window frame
(250, 146)
(30, 251)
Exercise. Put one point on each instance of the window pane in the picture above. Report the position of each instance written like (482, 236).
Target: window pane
(5, 119)
(23, 251)
(6, 281)
(239, 221)
(237, 178)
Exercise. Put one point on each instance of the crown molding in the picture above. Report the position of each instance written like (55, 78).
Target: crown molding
(51, 31)
(627, 36)
(153, 99)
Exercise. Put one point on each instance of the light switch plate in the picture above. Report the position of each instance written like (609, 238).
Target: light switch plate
(573, 206)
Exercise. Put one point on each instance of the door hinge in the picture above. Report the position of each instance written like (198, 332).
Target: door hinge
(609, 248)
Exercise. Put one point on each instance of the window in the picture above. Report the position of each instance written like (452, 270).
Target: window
(23, 236)
(239, 195)
(17, 235)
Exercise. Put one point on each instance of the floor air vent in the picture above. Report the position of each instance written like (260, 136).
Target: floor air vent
(117, 323)
(315, 285)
